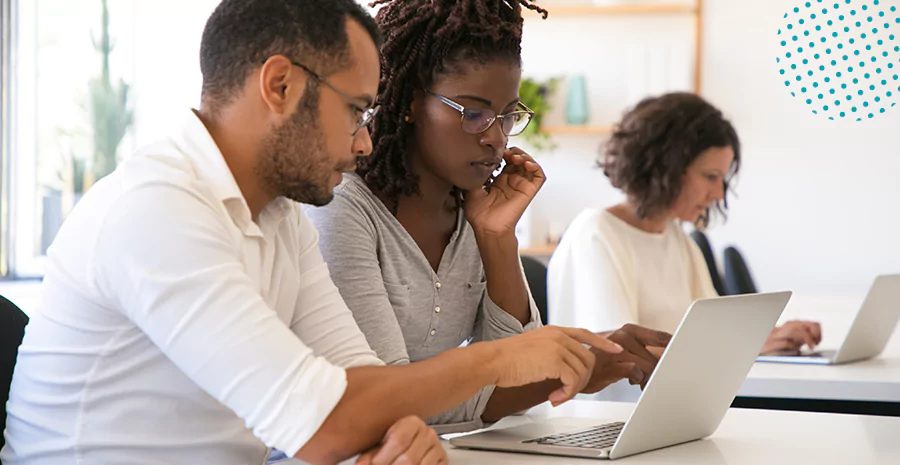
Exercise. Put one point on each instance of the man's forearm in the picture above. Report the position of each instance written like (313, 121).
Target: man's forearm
(376, 397)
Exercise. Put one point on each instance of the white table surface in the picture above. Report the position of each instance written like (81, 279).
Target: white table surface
(745, 437)
(874, 380)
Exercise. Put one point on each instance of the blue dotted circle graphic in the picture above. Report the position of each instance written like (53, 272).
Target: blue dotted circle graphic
(848, 50)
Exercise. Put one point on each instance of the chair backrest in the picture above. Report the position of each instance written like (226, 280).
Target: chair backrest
(536, 275)
(737, 275)
(706, 248)
(12, 329)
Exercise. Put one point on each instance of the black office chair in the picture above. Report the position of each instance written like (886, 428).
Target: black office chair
(706, 248)
(536, 275)
(12, 329)
(737, 275)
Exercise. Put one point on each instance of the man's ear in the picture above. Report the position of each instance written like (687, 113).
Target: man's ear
(279, 83)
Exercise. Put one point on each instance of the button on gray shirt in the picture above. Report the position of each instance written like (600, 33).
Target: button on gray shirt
(406, 310)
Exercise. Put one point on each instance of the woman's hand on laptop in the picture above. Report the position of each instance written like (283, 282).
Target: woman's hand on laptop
(789, 338)
(636, 363)
(550, 352)
(409, 441)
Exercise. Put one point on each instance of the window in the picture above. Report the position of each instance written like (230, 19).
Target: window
(91, 80)
(80, 93)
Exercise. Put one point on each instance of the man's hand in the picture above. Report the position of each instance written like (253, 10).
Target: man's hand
(550, 352)
(790, 338)
(636, 363)
(410, 441)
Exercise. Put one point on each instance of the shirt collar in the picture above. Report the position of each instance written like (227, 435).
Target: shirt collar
(209, 165)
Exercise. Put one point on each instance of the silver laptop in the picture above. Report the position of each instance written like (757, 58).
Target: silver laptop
(869, 334)
(685, 399)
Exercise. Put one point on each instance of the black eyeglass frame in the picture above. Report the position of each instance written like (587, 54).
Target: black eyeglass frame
(366, 114)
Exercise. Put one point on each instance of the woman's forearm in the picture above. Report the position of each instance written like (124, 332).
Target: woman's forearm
(505, 284)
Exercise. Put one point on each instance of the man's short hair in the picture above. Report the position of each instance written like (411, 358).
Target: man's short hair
(241, 34)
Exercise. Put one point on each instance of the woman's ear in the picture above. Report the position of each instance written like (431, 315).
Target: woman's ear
(409, 115)
(414, 106)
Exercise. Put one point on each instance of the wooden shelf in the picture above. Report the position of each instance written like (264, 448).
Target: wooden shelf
(578, 130)
(638, 7)
(630, 8)
(546, 249)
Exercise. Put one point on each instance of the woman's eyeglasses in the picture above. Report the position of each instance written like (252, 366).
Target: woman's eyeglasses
(479, 120)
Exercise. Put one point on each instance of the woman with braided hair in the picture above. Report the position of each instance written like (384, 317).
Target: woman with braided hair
(420, 240)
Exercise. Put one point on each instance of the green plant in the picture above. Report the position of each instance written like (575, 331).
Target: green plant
(110, 112)
(536, 95)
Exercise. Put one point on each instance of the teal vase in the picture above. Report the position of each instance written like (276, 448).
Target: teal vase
(577, 111)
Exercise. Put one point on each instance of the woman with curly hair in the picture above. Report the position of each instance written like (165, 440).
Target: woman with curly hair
(420, 241)
(673, 157)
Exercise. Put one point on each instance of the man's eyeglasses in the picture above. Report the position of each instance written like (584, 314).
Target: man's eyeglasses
(365, 114)
(479, 120)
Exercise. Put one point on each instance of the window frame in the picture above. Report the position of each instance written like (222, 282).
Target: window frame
(7, 101)
(21, 158)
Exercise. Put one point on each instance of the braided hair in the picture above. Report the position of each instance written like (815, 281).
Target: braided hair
(425, 39)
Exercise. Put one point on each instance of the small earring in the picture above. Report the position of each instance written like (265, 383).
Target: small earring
(407, 118)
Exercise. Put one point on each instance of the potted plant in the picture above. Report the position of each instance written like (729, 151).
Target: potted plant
(87, 151)
(536, 96)
(109, 108)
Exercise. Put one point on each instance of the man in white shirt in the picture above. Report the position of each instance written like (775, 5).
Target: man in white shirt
(187, 315)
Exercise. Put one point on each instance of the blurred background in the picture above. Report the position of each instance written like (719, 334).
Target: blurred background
(815, 208)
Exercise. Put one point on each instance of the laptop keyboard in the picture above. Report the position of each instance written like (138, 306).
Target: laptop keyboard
(597, 437)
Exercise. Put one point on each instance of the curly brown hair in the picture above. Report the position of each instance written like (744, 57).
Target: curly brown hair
(425, 39)
(654, 144)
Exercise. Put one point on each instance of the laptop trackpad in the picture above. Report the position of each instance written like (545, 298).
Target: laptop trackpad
(817, 357)
(808, 353)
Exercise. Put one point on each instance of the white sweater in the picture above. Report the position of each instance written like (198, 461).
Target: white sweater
(606, 273)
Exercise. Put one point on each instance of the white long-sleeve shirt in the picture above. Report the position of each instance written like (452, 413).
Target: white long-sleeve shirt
(173, 329)
(606, 273)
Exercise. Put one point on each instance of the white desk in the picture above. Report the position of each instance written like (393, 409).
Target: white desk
(875, 380)
(813, 387)
(870, 386)
(746, 437)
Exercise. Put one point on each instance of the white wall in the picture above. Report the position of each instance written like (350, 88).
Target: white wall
(819, 201)
(817, 208)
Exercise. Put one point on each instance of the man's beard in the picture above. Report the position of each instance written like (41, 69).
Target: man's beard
(294, 161)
